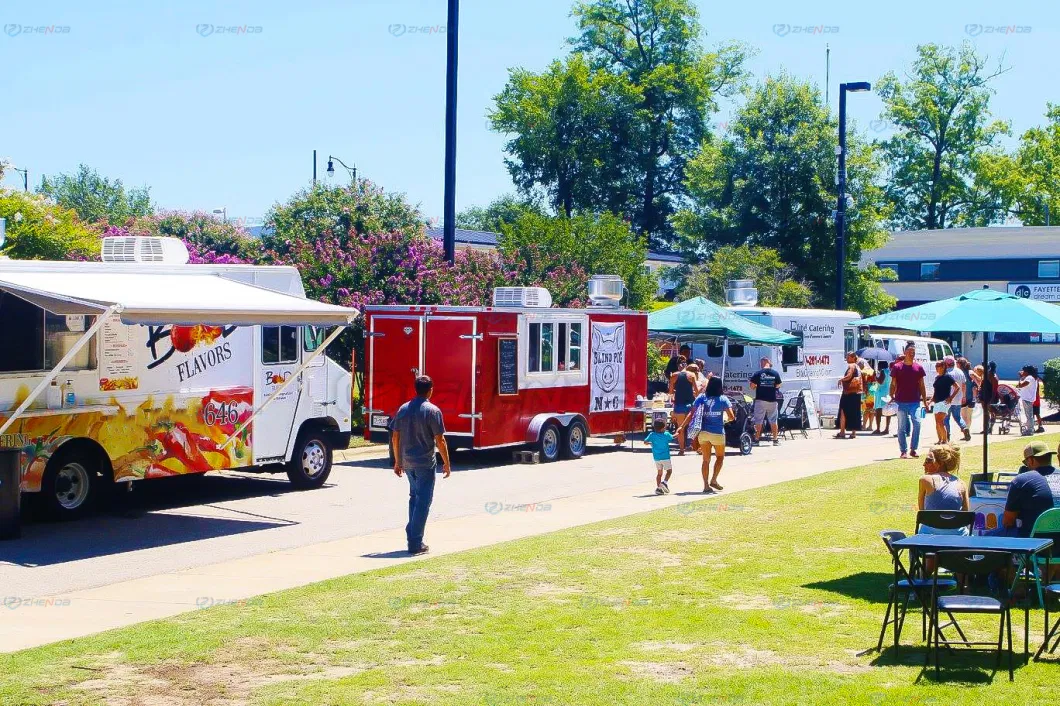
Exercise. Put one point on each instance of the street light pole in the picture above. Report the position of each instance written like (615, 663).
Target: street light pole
(25, 177)
(449, 212)
(331, 168)
(841, 201)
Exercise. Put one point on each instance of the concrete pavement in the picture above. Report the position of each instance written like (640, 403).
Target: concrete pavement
(472, 509)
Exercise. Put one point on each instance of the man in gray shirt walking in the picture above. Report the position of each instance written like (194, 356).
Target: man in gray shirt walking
(418, 432)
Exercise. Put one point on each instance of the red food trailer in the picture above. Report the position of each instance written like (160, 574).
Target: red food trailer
(517, 373)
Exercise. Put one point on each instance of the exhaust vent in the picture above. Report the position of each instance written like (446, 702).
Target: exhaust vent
(606, 290)
(741, 292)
(528, 297)
(169, 251)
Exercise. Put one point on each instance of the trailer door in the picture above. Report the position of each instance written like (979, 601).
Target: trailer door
(449, 358)
(279, 355)
(395, 359)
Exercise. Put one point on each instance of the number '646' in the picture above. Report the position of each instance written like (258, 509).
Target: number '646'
(220, 414)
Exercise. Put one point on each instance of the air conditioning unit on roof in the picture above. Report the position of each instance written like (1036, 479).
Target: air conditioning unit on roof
(169, 251)
(529, 297)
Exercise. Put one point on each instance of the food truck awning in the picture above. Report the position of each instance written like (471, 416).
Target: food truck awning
(163, 298)
(700, 317)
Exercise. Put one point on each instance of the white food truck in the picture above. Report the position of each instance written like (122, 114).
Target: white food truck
(816, 364)
(143, 366)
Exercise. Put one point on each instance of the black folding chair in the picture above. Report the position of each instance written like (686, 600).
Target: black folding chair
(945, 519)
(1051, 591)
(905, 587)
(970, 562)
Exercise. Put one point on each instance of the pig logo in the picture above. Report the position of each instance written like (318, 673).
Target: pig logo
(609, 367)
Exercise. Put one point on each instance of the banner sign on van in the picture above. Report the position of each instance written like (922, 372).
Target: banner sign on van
(1036, 292)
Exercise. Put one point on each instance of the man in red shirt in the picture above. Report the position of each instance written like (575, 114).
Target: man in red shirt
(908, 391)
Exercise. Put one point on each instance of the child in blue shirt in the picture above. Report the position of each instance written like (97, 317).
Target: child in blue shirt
(659, 440)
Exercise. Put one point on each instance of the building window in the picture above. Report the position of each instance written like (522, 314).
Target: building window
(929, 270)
(889, 266)
(1048, 269)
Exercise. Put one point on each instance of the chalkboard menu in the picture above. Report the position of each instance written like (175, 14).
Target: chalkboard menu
(507, 366)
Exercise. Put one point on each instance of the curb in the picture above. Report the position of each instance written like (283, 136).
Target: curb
(362, 453)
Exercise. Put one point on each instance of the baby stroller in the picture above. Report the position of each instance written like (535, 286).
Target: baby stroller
(1005, 410)
(740, 432)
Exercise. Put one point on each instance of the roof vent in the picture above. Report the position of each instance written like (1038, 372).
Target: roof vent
(741, 292)
(529, 297)
(606, 290)
(169, 251)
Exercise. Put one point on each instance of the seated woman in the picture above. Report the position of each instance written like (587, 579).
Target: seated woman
(940, 488)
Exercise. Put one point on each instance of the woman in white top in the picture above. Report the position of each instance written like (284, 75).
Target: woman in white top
(1028, 389)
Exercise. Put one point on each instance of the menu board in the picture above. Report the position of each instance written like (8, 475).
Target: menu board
(812, 418)
(507, 366)
(116, 364)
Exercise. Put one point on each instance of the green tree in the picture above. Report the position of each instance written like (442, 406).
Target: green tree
(544, 247)
(944, 139)
(1036, 172)
(770, 183)
(40, 230)
(777, 282)
(613, 127)
(343, 211)
(95, 198)
(502, 210)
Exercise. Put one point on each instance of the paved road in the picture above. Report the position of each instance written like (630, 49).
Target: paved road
(175, 524)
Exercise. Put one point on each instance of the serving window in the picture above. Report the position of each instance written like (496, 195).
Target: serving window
(552, 347)
(36, 340)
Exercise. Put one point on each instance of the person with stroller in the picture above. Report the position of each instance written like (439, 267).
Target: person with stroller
(1028, 391)
(710, 411)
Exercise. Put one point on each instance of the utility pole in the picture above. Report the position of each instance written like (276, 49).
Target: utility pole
(449, 215)
(841, 202)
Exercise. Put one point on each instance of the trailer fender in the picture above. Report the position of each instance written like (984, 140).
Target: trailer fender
(533, 432)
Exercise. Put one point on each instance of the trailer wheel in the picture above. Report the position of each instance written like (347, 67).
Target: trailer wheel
(575, 439)
(70, 484)
(310, 465)
(746, 443)
(550, 442)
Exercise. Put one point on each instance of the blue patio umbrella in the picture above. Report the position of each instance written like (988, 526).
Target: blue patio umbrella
(983, 311)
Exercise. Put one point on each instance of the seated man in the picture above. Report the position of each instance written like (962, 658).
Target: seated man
(1032, 492)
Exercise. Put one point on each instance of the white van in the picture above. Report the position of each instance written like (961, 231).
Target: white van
(928, 350)
(143, 366)
(816, 364)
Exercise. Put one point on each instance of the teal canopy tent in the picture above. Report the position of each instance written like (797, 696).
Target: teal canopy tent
(700, 319)
(983, 311)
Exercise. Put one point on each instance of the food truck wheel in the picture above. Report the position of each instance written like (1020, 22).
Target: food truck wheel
(746, 444)
(549, 443)
(69, 485)
(310, 465)
(575, 439)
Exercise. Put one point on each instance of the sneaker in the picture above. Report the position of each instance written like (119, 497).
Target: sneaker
(422, 550)
(914, 454)
(659, 490)
(904, 455)
(967, 434)
(776, 442)
(1040, 430)
(665, 487)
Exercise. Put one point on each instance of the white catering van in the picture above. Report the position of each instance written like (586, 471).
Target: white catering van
(816, 364)
(143, 366)
(928, 350)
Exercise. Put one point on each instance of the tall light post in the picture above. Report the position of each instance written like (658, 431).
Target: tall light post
(222, 212)
(331, 168)
(449, 211)
(25, 177)
(841, 201)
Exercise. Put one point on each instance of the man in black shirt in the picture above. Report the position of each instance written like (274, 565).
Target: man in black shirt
(765, 384)
(675, 362)
(1032, 492)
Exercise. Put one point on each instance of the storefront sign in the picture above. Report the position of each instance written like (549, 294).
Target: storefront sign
(1037, 292)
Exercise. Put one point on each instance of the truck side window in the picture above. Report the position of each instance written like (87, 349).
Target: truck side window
(312, 338)
(714, 350)
(735, 350)
(574, 355)
(790, 355)
(39, 339)
(279, 344)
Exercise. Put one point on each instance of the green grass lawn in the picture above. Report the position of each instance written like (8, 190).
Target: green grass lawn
(769, 596)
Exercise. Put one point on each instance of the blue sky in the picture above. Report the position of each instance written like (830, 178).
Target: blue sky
(136, 91)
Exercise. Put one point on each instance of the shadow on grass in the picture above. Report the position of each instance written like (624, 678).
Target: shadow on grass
(956, 666)
(864, 585)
